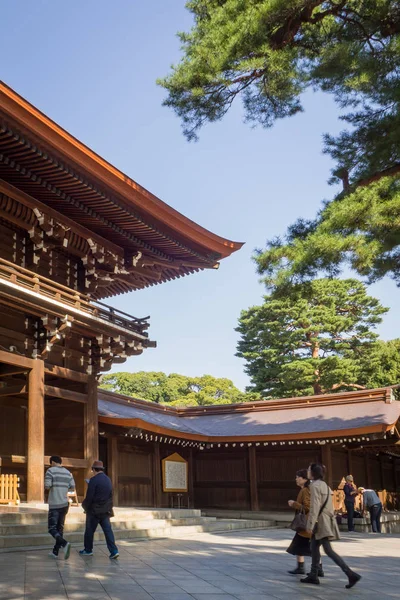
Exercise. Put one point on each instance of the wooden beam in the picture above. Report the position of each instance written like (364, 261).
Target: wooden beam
(57, 392)
(35, 451)
(254, 504)
(91, 431)
(112, 460)
(157, 475)
(80, 230)
(13, 459)
(13, 390)
(16, 359)
(10, 370)
(64, 373)
(75, 463)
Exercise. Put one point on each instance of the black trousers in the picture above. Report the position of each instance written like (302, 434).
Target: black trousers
(375, 512)
(350, 515)
(56, 520)
(329, 551)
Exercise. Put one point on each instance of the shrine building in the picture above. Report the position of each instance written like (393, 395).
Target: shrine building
(76, 231)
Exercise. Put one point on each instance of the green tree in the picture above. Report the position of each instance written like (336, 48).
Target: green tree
(175, 389)
(268, 52)
(361, 228)
(381, 366)
(314, 340)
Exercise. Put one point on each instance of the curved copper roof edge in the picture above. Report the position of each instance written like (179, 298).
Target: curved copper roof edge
(51, 133)
(198, 437)
(368, 395)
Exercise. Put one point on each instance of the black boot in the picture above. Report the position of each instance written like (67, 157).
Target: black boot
(299, 570)
(353, 579)
(312, 577)
(320, 571)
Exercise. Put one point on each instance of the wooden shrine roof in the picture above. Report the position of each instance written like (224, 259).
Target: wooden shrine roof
(155, 242)
(350, 413)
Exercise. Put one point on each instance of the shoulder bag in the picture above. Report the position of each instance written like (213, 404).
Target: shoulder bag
(299, 522)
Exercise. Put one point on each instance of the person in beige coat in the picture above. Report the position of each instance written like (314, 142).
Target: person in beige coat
(322, 524)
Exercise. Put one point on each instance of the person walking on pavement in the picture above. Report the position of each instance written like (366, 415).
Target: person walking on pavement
(372, 503)
(98, 506)
(350, 494)
(58, 481)
(300, 545)
(322, 524)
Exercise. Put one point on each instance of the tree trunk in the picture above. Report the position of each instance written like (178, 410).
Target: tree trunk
(315, 354)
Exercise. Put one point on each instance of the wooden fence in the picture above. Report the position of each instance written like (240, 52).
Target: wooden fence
(9, 485)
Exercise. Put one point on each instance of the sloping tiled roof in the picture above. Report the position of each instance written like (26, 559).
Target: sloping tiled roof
(44, 161)
(351, 413)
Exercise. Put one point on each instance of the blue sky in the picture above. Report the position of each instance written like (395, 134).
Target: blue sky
(92, 66)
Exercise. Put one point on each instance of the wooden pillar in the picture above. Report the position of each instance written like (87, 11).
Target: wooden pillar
(394, 474)
(381, 473)
(91, 424)
(367, 470)
(349, 462)
(35, 453)
(326, 455)
(191, 478)
(157, 475)
(254, 504)
(112, 459)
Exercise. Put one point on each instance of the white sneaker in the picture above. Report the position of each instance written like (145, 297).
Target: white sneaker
(52, 555)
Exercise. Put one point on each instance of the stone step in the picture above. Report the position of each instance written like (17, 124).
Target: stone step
(77, 514)
(73, 524)
(166, 531)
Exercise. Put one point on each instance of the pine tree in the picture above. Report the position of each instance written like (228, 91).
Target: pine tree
(315, 339)
(267, 53)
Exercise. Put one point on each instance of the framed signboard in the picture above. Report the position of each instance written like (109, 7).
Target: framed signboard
(175, 473)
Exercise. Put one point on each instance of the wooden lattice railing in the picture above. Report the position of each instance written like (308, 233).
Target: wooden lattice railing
(9, 485)
(60, 293)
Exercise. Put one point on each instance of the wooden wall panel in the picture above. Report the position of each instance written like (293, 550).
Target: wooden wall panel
(237, 498)
(221, 480)
(375, 472)
(13, 413)
(221, 468)
(64, 428)
(387, 471)
(339, 466)
(135, 475)
(359, 472)
(276, 472)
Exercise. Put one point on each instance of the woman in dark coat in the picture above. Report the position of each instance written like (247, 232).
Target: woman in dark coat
(300, 545)
(323, 527)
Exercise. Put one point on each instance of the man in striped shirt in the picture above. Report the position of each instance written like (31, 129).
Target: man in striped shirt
(59, 481)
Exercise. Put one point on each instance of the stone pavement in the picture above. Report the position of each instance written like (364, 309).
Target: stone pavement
(250, 565)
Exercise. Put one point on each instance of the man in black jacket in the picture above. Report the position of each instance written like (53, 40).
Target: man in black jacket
(98, 505)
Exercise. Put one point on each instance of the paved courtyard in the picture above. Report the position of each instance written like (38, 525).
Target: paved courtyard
(240, 566)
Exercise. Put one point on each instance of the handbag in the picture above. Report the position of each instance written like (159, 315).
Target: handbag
(315, 528)
(299, 522)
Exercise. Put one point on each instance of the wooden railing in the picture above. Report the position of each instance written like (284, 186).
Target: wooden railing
(9, 485)
(60, 293)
